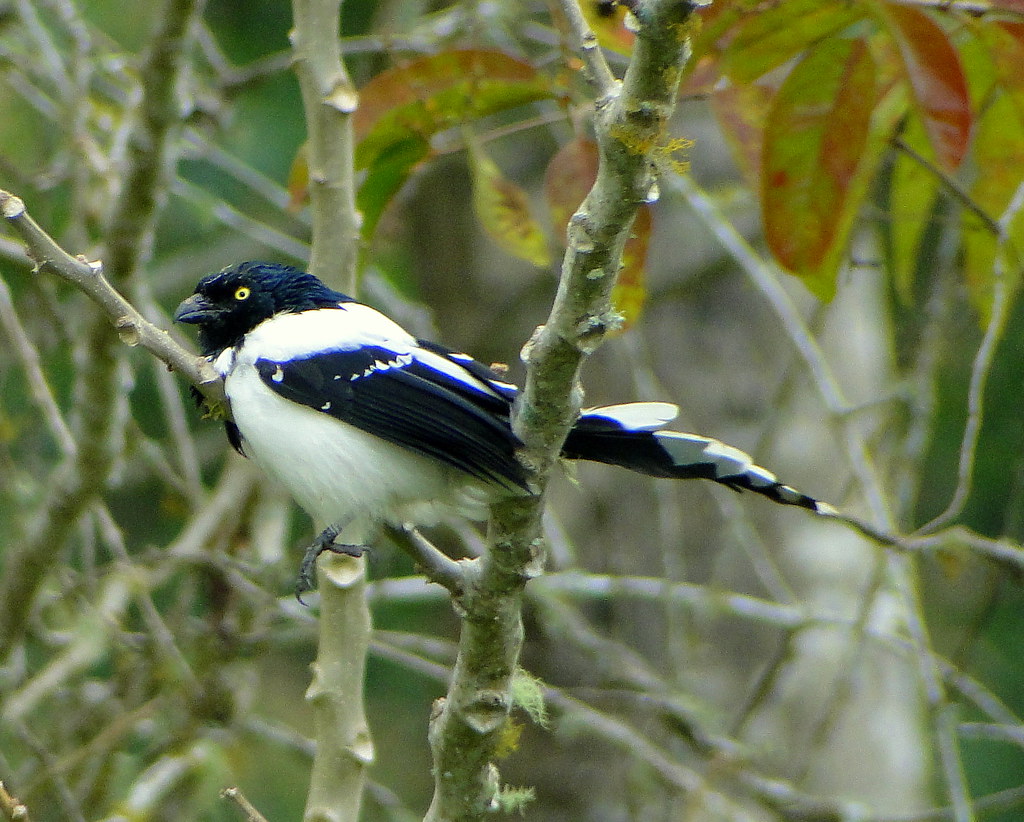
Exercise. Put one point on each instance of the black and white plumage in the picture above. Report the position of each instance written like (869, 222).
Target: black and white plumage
(361, 422)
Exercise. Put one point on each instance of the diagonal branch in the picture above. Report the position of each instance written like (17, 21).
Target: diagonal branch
(132, 327)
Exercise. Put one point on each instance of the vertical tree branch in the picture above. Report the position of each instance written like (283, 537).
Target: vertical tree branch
(630, 124)
(329, 99)
(343, 745)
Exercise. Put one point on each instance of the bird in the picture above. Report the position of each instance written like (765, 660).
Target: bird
(364, 424)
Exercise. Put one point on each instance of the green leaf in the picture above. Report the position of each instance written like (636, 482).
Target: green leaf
(933, 69)
(504, 210)
(814, 146)
(385, 177)
(1004, 43)
(913, 192)
(770, 37)
(999, 151)
(437, 92)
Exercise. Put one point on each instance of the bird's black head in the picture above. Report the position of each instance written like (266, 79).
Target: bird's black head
(229, 304)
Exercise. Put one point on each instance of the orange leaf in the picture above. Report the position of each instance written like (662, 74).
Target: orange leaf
(630, 291)
(438, 92)
(569, 177)
(815, 136)
(298, 180)
(932, 67)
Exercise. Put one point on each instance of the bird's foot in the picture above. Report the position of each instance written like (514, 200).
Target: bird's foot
(323, 542)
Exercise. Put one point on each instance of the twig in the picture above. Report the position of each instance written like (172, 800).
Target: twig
(11, 808)
(329, 99)
(981, 368)
(131, 326)
(598, 72)
(34, 374)
(436, 565)
(235, 795)
(344, 749)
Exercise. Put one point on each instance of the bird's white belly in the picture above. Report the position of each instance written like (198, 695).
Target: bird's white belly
(336, 471)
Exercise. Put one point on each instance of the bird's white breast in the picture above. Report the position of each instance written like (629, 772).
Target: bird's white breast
(334, 470)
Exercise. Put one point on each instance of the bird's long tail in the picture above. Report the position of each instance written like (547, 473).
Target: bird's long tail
(631, 436)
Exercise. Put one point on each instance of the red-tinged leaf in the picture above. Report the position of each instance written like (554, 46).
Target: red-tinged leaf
(608, 22)
(504, 211)
(438, 92)
(999, 150)
(1010, 5)
(569, 177)
(936, 77)
(630, 291)
(769, 37)
(741, 112)
(815, 138)
(298, 180)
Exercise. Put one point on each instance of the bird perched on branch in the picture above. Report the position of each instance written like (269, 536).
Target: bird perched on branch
(363, 423)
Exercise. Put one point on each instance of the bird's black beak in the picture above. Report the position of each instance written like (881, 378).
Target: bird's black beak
(196, 310)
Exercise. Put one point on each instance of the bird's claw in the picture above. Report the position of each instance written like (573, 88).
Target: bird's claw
(323, 542)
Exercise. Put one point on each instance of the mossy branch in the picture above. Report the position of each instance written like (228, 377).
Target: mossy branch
(630, 123)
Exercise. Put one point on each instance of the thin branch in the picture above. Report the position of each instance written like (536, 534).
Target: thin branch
(235, 795)
(598, 72)
(12, 809)
(762, 275)
(983, 358)
(131, 326)
(35, 376)
(344, 749)
(435, 564)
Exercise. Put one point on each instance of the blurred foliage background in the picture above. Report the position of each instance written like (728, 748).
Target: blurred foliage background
(705, 655)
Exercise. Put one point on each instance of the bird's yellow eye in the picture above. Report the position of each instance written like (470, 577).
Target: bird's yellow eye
(242, 293)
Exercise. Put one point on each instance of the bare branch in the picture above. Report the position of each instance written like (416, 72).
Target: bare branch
(244, 805)
(344, 749)
(11, 808)
(131, 326)
(329, 99)
(436, 565)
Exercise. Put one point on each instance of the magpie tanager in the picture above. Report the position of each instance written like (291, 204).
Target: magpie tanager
(363, 423)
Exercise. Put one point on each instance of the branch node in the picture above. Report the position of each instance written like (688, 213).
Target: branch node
(488, 711)
(128, 331)
(10, 206)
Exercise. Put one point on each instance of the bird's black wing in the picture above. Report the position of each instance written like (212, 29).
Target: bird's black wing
(424, 399)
